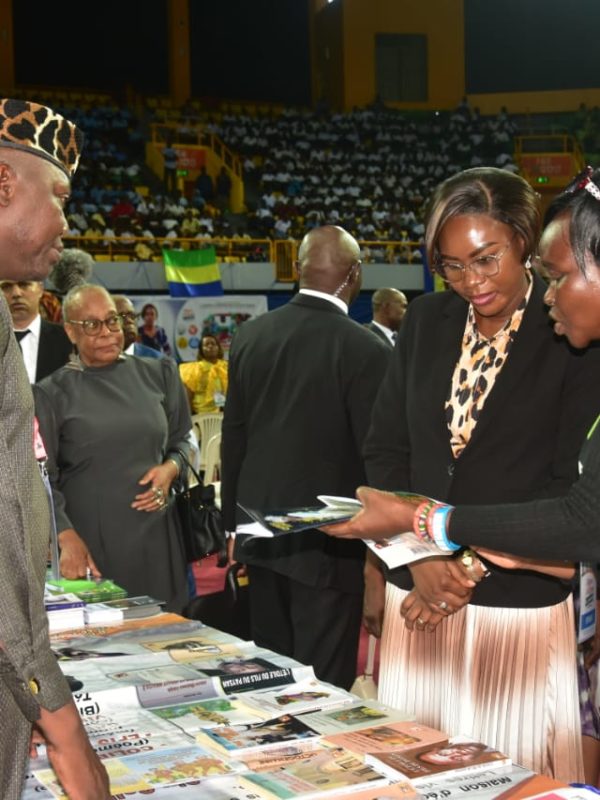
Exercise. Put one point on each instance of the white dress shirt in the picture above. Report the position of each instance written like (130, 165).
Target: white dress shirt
(29, 347)
(391, 335)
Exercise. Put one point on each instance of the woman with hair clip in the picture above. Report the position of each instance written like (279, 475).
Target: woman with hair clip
(482, 403)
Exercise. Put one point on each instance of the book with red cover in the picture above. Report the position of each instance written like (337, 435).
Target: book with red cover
(420, 764)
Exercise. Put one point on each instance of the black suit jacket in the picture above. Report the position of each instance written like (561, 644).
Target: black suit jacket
(525, 444)
(53, 351)
(302, 382)
(378, 332)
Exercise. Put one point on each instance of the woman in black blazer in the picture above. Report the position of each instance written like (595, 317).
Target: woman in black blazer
(482, 403)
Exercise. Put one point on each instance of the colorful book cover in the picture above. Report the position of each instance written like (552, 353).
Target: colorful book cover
(139, 773)
(90, 591)
(192, 717)
(321, 771)
(388, 738)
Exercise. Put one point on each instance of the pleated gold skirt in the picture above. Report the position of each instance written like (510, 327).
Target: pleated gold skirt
(503, 676)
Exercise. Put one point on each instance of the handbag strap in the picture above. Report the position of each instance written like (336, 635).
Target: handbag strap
(190, 466)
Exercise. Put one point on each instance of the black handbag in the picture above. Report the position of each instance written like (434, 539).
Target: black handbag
(201, 521)
(227, 610)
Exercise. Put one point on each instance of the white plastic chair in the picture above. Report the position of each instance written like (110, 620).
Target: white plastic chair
(206, 426)
(213, 459)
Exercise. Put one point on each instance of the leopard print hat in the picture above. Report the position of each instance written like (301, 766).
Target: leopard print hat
(39, 130)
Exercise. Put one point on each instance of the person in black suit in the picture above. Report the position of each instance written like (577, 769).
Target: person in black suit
(45, 345)
(302, 382)
(389, 307)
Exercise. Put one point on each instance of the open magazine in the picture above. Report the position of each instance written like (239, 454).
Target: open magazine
(395, 551)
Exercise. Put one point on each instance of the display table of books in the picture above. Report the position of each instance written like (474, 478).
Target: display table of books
(179, 710)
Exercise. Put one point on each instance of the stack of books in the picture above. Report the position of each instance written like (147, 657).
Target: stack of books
(123, 608)
(64, 611)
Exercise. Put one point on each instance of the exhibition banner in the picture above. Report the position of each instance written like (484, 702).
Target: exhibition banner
(186, 320)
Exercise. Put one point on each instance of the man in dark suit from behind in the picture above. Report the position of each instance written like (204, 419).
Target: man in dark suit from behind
(45, 345)
(302, 381)
(389, 307)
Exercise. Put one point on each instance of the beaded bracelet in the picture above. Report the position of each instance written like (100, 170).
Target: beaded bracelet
(437, 528)
(420, 519)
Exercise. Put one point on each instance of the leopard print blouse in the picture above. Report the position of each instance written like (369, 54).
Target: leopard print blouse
(476, 370)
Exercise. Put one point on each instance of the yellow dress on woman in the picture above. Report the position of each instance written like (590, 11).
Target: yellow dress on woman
(205, 380)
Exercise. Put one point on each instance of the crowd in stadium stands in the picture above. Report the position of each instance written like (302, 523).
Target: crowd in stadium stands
(370, 170)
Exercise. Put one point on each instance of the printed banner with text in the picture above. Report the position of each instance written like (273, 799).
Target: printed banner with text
(186, 320)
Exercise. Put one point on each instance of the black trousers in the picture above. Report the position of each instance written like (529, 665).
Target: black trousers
(319, 627)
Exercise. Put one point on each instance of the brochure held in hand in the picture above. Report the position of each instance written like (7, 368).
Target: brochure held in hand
(395, 551)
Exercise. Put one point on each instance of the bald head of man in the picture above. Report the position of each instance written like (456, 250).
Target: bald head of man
(329, 262)
(389, 307)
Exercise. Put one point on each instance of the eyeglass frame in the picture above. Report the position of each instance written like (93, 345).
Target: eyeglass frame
(463, 267)
(132, 316)
(102, 323)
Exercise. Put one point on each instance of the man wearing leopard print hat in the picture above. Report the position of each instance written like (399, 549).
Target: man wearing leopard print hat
(39, 152)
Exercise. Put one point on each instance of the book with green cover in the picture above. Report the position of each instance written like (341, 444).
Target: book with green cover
(90, 591)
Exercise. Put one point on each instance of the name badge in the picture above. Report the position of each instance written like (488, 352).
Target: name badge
(587, 603)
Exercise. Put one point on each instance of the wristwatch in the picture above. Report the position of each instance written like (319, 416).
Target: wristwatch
(475, 568)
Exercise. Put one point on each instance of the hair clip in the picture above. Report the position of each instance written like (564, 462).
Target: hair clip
(583, 181)
(591, 187)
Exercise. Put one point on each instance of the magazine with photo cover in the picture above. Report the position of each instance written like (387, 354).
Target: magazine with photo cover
(421, 764)
(238, 741)
(395, 551)
(300, 697)
(354, 716)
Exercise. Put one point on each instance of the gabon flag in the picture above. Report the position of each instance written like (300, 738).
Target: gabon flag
(193, 273)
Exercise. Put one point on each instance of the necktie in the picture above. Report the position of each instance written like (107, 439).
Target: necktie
(21, 334)
(394, 335)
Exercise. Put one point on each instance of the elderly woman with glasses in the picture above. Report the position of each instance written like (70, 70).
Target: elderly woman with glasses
(112, 426)
(482, 403)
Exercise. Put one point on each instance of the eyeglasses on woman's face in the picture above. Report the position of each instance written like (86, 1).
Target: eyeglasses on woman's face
(484, 266)
(92, 327)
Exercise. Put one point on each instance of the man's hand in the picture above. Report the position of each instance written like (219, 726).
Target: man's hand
(75, 557)
(78, 768)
